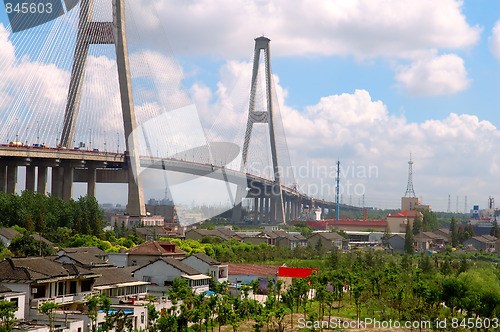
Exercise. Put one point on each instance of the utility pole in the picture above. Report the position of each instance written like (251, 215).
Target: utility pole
(338, 190)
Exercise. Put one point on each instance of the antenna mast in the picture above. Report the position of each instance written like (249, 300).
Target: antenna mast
(409, 187)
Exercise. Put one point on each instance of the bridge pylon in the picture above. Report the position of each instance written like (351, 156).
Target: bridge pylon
(90, 32)
(276, 211)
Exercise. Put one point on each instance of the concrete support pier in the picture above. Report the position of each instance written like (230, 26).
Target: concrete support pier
(30, 178)
(91, 184)
(57, 181)
(67, 192)
(41, 186)
(3, 177)
(11, 179)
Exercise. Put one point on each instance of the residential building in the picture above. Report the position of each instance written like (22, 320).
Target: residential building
(146, 253)
(18, 298)
(83, 259)
(275, 238)
(397, 222)
(256, 240)
(7, 235)
(162, 272)
(245, 273)
(356, 225)
(38, 237)
(413, 203)
(328, 240)
(43, 279)
(125, 220)
(206, 264)
(224, 234)
(168, 212)
(429, 241)
(153, 233)
(119, 285)
(396, 243)
(89, 251)
(444, 232)
(482, 242)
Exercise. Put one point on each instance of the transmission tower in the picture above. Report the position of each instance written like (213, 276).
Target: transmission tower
(409, 187)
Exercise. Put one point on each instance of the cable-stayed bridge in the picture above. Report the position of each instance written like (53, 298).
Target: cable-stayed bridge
(109, 92)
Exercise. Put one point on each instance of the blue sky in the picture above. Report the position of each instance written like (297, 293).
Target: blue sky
(364, 81)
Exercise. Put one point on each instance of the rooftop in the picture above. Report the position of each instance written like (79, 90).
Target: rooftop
(94, 251)
(156, 248)
(114, 276)
(406, 213)
(38, 269)
(253, 269)
(9, 233)
(205, 258)
(176, 264)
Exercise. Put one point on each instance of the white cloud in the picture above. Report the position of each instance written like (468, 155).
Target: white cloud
(495, 41)
(437, 75)
(364, 28)
(393, 29)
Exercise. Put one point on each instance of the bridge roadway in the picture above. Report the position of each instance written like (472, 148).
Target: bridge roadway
(72, 165)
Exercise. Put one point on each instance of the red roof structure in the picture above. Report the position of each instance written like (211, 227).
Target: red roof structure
(407, 213)
(294, 272)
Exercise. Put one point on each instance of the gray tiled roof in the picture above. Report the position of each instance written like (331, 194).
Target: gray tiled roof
(85, 259)
(176, 264)
(94, 251)
(9, 233)
(113, 275)
(207, 259)
(38, 268)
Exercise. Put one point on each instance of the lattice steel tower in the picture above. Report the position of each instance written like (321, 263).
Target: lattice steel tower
(409, 187)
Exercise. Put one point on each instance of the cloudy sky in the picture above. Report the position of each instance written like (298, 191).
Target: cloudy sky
(366, 82)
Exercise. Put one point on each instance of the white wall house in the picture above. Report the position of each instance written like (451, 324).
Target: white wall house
(163, 271)
(206, 264)
(42, 279)
(19, 298)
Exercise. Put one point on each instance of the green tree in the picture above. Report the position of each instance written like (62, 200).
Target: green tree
(26, 245)
(495, 230)
(418, 226)
(409, 248)
(95, 303)
(453, 232)
(49, 308)
(7, 317)
(429, 221)
(387, 234)
(446, 268)
(334, 258)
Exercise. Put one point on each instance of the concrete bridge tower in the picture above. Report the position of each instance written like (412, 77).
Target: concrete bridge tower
(276, 211)
(90, 32)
